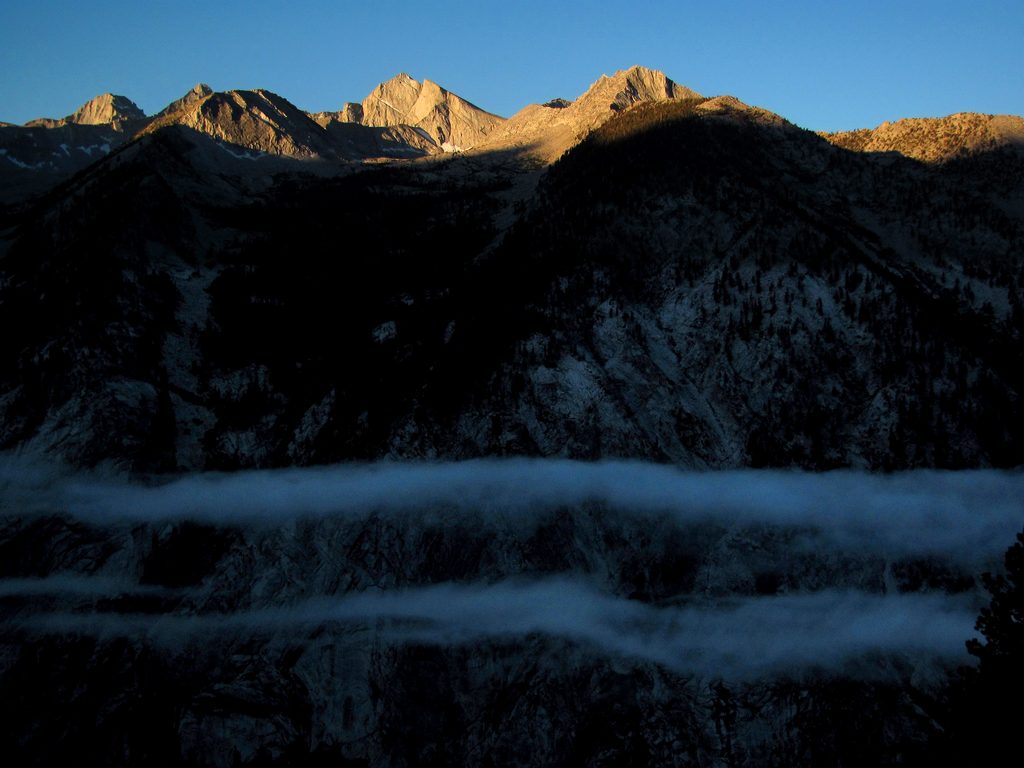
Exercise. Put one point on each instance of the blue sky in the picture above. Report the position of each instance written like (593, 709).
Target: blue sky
(823, 65)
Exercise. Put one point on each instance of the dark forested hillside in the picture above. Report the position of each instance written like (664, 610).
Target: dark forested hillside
(781, 301)
(697, 281)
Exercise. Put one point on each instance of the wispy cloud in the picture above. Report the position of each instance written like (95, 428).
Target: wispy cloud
(967, 514)
(740, 638)
(75, 585)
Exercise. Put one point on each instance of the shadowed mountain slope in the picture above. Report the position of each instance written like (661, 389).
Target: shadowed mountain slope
(698, 281)
(547, 130)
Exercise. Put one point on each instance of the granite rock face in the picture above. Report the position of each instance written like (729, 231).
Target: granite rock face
(105, 109)
(198, 93)
(450, 121)
(546, 131)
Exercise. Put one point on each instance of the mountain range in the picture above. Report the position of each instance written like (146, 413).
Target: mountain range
(640, 272)
(404, 118)
(401, 118)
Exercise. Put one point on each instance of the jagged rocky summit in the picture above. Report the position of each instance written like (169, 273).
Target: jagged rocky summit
(403, 118)
(106, 109)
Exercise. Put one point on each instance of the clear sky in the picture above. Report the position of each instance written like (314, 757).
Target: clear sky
(824, 65)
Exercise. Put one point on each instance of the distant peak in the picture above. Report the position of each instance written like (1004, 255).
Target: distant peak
(632, 85)
(106, 108)
(636, 69)
(446, 119)
(635, 72)
(391, 100)
(402, 78)
(654, 81)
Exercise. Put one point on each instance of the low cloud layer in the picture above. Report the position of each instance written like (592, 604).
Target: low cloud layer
(742, 638)
(973, 514)
(964, 515)
(74, 585)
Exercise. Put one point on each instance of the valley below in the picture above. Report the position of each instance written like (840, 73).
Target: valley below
(489, 613)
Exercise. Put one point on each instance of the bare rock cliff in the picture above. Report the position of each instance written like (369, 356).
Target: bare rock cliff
(104, 109)
(189, 100)
(449, 120)
(258, 120)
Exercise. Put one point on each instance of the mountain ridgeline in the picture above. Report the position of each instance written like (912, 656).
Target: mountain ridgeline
(641, 272)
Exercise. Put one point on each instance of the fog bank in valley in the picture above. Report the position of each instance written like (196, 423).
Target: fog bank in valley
(970, 517)
(738, 638)
(972, 514)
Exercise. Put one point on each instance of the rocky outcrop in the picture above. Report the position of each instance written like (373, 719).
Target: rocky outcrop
(391, 101)
(350, 113)
(939, 139)
(547, 130)
(626, 88)
(259, 121)
(450, 121)
(191, 99)
(105, 109)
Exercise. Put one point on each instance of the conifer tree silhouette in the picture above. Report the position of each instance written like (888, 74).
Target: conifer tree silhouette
(988, 708)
